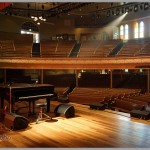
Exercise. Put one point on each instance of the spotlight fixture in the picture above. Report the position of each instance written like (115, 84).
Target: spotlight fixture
(28, 5)
(135, 8)
(108, 13)
(117, 11)
(146, 6)
(113, 12)
(38, 18)
(122, 10)
(28, 14)
(43, 7)
(127, 9)
(141, 6)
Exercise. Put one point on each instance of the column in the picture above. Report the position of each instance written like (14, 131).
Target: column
(41, 75)
(4, 75)
(76, 72)
(148, 80)
(111, 82)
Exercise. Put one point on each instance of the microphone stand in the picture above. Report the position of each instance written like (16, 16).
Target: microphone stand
(10, 100)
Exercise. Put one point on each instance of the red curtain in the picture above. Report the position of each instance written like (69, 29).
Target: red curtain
(3, 5)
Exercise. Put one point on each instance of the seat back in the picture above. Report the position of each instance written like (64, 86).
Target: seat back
(147, 108)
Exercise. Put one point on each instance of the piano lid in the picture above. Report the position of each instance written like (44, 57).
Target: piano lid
(24, 85)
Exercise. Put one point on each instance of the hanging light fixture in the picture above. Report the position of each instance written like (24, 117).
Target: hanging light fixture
(42, 16)
(37, 17)
(28, 14)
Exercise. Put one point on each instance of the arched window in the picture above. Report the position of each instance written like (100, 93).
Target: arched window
(136, 31)
(115, 33)
(121, 32)
(141, 29)
(126, 31)
(31, 28)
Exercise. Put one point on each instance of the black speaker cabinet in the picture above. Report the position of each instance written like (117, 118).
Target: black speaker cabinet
(65, 109)
(15, 122)
(98, 106)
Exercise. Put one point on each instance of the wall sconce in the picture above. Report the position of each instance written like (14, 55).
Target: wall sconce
(38, 19)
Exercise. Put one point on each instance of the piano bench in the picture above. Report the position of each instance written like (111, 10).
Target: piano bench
(41, 114)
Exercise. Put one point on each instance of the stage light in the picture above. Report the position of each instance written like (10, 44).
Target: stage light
(146, 6)
(123, 10)
(127, 9)
(28, 5)
(113, 12)
(108, 13)
(141, 6)
(135, 8)
(43, 7)
(117, 11)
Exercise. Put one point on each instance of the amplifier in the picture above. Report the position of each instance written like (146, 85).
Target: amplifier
(15, 122)
(65, 109)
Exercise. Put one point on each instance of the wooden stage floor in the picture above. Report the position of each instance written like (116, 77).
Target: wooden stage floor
(88, 129)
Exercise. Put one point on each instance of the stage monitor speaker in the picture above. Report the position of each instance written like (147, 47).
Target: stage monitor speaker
(15, 122)
(65, 109)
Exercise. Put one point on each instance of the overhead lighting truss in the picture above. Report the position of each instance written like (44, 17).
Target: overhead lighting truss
(65, 8)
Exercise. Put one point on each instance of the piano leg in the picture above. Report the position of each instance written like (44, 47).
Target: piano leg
(29, 107)
(2, 102)
(48, 104)
(31, 112)
(12, 107)
(33, 105)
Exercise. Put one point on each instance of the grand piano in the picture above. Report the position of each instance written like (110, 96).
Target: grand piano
(25, 92)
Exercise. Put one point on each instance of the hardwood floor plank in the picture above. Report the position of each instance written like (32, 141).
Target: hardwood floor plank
(88, 129)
